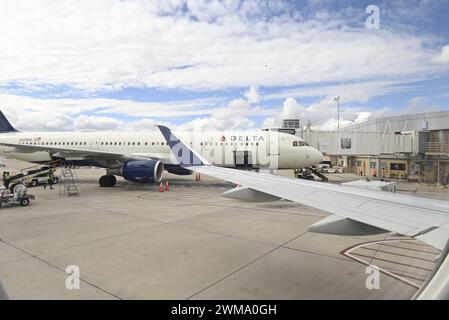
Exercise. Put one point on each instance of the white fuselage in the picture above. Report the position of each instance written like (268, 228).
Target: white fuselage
(263, 149)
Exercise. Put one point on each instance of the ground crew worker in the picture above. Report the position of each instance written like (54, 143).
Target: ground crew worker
(49, 180)
(6, 179)
(296, 173)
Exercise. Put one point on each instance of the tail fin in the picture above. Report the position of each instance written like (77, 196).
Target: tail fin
(5, 126)
(184, 154)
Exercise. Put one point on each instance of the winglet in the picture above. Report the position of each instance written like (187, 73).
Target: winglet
(185, 155)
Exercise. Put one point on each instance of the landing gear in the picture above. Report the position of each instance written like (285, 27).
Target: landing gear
(107, 181)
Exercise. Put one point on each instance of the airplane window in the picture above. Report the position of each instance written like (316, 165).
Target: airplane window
(115, 143)
(162, 143)
(201, 143)
(295, 143)
(146, 143)
(152, 143)
(129, 143)
(119, 143)
(138, 143)
(101, 143)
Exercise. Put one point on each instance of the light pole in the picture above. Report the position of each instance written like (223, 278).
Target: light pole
(338, 110)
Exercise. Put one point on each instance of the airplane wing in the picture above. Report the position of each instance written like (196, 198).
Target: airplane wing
(64, 152)
(353, 211)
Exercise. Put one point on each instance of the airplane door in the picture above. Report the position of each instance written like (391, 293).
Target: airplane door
(273, 143)
(243, 159)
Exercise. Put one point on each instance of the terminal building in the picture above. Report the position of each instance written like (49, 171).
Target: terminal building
(413, 147)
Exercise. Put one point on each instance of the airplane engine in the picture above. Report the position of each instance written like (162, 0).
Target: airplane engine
(145, 171)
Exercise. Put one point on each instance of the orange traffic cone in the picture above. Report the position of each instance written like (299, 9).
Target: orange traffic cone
(167, 186)
(161, 188)
(199, 176)
(196, 176)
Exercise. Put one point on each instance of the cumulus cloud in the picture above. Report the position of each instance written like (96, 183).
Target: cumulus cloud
(323, 114)
(233, 116)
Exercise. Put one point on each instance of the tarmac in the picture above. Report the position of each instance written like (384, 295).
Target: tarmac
(134, 242)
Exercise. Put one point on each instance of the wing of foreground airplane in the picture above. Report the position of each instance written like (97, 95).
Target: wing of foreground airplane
(353, 211)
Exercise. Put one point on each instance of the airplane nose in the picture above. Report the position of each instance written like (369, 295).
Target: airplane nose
(316, 156)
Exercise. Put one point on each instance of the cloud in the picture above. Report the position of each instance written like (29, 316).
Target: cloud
(323, 114)
(84, 122)
(252, 95)
(65, 114)
(198, 45)
(443, 56)
(350, 92)
(233, 116)
(18, 104)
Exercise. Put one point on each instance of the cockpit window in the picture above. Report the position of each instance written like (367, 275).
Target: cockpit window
(300, 143)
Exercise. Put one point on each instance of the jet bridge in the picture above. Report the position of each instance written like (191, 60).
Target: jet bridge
(353, 143)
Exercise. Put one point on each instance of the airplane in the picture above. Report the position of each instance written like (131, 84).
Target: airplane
(143, 156)
(354, 212)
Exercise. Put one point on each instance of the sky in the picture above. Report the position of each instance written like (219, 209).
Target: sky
(219, 65)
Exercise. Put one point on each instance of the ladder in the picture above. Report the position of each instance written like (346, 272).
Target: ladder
(68, 186)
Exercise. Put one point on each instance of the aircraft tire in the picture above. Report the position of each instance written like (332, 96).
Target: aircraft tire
(107, 181)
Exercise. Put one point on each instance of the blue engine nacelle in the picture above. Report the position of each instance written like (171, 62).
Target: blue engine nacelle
(145, 171)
